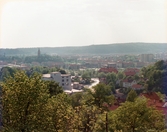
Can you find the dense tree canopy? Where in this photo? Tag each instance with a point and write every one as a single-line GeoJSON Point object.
{"type": "Point", "coordinates": [24, 100]}
{"type": "Point", "coordinates": [132, 95]}
{"type": "Point", "coordinates": [137, 117]}
{"type": "Point", "coordinates": [31, 104]}
{"type": "Point", "coordinates": [101, 94]}
{"type": "Point", "coordinates": [155, 76]}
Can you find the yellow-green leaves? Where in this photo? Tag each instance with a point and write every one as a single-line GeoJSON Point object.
{"type": "Point", "coordinates": [24, 100]}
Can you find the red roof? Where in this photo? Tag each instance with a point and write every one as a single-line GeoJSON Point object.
{"type": "Point", "coordinates": [132, 69]}
{"type": "Point", "coordinates": [151, 96]}
{"type": "Point", "coordinates": [114, 107]}
{"type": "Point", "coordinates": [155, 101]}
{"type": "Point", "coordinates": [106, 70]}
{"type": "Point", "coordinates": [117, 104]}
{"type": "Point", "coordinates": [130, 73]}
{"type": "Point", "coordinates": [137, 86]}
{"type": "Point", "coordinates": [126, 80]}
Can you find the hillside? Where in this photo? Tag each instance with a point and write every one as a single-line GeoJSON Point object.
{"type": "Point", "coordinates": [118, 48]}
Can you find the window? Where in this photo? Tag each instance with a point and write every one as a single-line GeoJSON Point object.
{"type": "Point", "coordinates": [62, 84]}
{"type": "Point", "coordinates": [67, 80]}
{"type": "Point", "coordinates": [63, 80]}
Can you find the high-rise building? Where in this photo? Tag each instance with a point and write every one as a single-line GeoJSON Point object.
{"type": "Point", "coordinates": [146, 57]}
{"type": "Point", "coordinates": [64, 80]}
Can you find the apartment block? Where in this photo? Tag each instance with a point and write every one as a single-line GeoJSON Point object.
{"type": "Point", "coordinates": [64, 80]}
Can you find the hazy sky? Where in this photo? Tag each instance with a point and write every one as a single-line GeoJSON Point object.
{"type": "Point", "coordinates": [82, 22]}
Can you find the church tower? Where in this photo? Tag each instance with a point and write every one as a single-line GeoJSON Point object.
{"type": "Point", "coordinates": [39, 52]}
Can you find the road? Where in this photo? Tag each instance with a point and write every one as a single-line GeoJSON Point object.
{"type": "Point", "coordinates": [96, 81]}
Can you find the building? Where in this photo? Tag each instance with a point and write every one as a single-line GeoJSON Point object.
{"type": "Point", "coordinates": [76, 85]}
{"type": "Point", "coordinates": [140, 64]}
{"type": "Point", "coordinates": [108, 70]}
{"type": "Point", "coordinates": [39, 53]}
{"type": "Point", "coordinates": [64, 80]}
{"type": "Point", "coordinates": [146, 57]}
{"type": "Point", "coordinates": [119, 64]}
{"type": "Point", "coordinates": [154, 100]}
{"type": "Point", "coordinates": [128, 64]}
{"type": "Point", "coordinates": [131, 71]}
{"type": "Point", "coordinates": [128, 83]}
{"type": "Point", "coordinates": [137, 87]}
{"type": "Point", "coordinates": [111, 65]}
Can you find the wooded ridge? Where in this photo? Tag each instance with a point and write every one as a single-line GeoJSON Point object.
{"type": "Point", "coordinates": [117, 48]}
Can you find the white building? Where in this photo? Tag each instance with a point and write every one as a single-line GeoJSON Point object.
{"type": "Point", "coordinates": [111, 65]}
{"type": "Point", "coordinates": [128, 84]}
{"type": "Point", "coordinates": [64, 80]}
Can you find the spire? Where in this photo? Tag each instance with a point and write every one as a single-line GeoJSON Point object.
{"type": "Point", "coordinates": [39, 52]}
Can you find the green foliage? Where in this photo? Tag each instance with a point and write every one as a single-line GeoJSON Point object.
{"type": "Point", "coordinates": [88, 73]}
{"type": "Point", "coordinates": [132, 95]}
{"type": "Point", "coordinates": [137, 117]}
{"type": "Point", "coordinates": [60, 115]}
{"type": "Point", "coordinates": [101, 94]}
{"type": "Point", "coordinates": [44, 70]}
{"type": "Point", "coordinates": [111, 78]}
{"type": "Point", "coordinates": [7, 72]}
{"type": "Point", "coordinates": [101, 75]}
{"type": "Point", "coordinates": [54, 88]}
{"type": "Point", "coordinates": [112, 86]}
{"type": "Point", "coordinates": [86, 117]}
{"type": "Point", "coordinates": [86, 77]}
{"type": "Point", "coordinates": [42, 58]}
{"type": "Point", "coordinates": [24, 100]}
{"type": "Point", "coordinates": [76, 99]}
{"type": "Point", "coordinates": [32, 105]}
{"type": "Point", "coordinates": [62, 71]}
{"type": "Point", "coordinates": [120, 75]}
{"type": "Point", "coordinates": [136, 77]}
{"type": "Point", "coordinates": [125, 90]}
{"type": "Point", "coordinates": [154, 77]}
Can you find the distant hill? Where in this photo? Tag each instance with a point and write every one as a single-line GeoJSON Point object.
{"type": "Point", "coordinates": [117, 48]}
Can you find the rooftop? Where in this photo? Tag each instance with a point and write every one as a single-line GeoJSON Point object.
{"type": "Point", "coordinates": [46, 75]}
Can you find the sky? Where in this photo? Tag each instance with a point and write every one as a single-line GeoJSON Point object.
{"type": "Point", "coordinates": [59, 23]}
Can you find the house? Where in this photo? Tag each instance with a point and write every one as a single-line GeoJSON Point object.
{"type": "Point", "coordinates": [155, 101]}
{"type": "Point", "coordinates": [64, 80]}
{"type": "Point", "coordinates": [137, 87]}
{"type": "Point", "coordinates": [131, 71]}
{"type": "Point", "coordinates": [111, 65]}
{"type": "Point", "coordinates": [119, 64]}
{"type": "Point", "coordinates": [140, 64]}
{"type": "Point", "coordinates": [107, 70]}
{"type": "Point", "coordinates": [76, 85]}
{"type": "Point", "coordinates": [128, 83]}
{"type": "Point", "coordinates": [127, 64]}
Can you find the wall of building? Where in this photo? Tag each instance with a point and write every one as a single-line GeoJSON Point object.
{"type": "Point", "coordinates": [64, 80]}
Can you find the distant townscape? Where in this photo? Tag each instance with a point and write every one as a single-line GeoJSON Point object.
{"type": "Point", "coordinates": [118, 87]}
